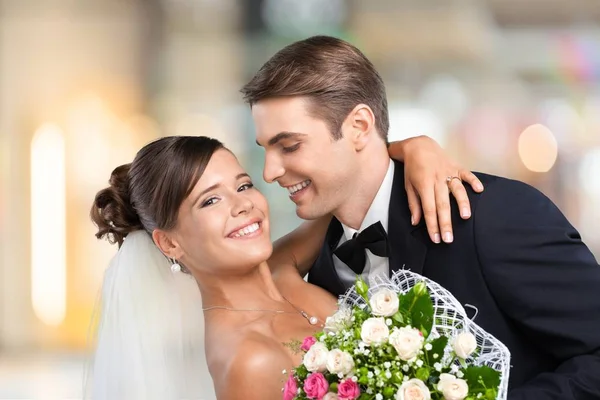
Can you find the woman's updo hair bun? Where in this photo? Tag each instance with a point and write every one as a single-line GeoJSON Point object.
{"type": "Point", "coordinates": [112, 211]}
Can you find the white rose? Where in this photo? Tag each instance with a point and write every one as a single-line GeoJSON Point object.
{"type": "Point", "coordinates": [374, 331]}
{"type": "Point", "coordinates": [338, 321]}
{"type": "Point", "coordinates": [452, 388]}
{"type": "Point", "coordinates": [413, 389]}
{"type": "Point", "coordinates": [339, 362]}
{"type": "Point", "coordinates": [444, 378]}
{"type": "Point", "coordinates": [315, 358]}
{"type": "Point", "coordinates": [464, 344]}
{"type": "Point", "coordinates": [331, 396]}
{"type": "Point", "coordinates": [384, 303]}
{"type": "Point", "coordinates": [407, 342]}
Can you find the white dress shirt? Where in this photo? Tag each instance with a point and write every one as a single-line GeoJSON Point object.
{"type": "Point", "coordinates": [378, 211]}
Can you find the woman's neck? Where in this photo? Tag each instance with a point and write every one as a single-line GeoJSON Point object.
{"type": "Point", "coordinates": [254, 290]}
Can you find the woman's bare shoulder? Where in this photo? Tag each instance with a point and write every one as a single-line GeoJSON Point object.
{"type": "Point", "coordinates": [250, 368]}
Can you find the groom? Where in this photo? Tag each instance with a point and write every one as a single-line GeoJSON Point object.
{"type": "Point", "coordinates": [321, 114]}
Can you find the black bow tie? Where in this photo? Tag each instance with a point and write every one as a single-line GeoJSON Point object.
{"type": "Point", "coordinates": [352, 252]}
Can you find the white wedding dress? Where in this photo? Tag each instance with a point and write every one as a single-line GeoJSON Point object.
{"type": "Point", "coordinates": [150, 336]}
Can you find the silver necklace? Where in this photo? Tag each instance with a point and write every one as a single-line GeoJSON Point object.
{"type": "Point", "coordinates": [313, 320]}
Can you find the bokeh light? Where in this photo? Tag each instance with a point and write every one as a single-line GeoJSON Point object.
{"type": "Point", "coordinates": [538, 148]}
{"type": "Point", "coordinates": [589, 172]}
{"type": "Point", "coordinates": [48, 225]}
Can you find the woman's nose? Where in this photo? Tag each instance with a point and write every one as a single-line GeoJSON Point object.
{"type": "Point", "coordinates": [242, 205]}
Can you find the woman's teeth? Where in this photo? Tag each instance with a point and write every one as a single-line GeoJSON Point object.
{"type": "Point", "coordinates": [296, 188]}
{"type": "Point", "coordinates": [247, 230]}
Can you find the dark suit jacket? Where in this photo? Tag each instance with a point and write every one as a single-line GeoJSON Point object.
{"type": "Point", "coordinates": [521, 263]}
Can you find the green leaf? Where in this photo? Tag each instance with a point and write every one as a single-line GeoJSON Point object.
{"type": "Point", "coordinates": [398, 318]}
{"type": "Point", "coordinates": [437, 347]}
{"type": "Point", "coordinates": [419, 307]}
{"type": "Point", "coordinates": [491, 394]}
{"type": "Point", "coordinates": [389, 392]}
{"type": "Point", "coordinates": [301, 372]}
{"type": "Point", "coordinates": [423, 374]}
{"type": "Point", "coordinates": [420, 289]}
{"type": "Point", "coordinates": [406, 299]}
{"type": "Point", "coordinates": [475, 376]}
{"type": "Point", "coordinates": [397, 377]}
{"type": "Point", "coordinates": [361, 315]}
{"type": "Point", "coordinates": [422, 315]}
{"type": "Point", "coordinates": [362, 288]}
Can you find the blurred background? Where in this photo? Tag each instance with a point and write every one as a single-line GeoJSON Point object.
{"type": "Point", "coordinates": [510, 87]}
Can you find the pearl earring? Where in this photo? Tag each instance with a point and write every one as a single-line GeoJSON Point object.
{"type": "Point", "coordinates": [175, 267]}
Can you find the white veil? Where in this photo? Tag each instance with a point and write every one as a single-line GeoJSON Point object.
{"type": "Point", "coordinates": [150, 330]}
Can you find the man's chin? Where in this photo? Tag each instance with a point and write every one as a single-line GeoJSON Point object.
{"type": "Point", "coordinates": [308, 213]}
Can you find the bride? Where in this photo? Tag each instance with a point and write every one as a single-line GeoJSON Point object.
{"type": "Point", "coordinates": [186, 216]}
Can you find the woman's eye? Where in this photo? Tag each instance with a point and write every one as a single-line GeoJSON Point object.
{"type": "Point", "coordinates": [291, 149]}
{"type": "Point", "coordinates": [246, 186]}
{"type": "Point", "coordinates": [209, 202]}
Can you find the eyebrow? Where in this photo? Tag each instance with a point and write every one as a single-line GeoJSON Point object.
{"type": "Point", "coordinates": [282, 136]}
{"type": "Point", "coordinates": [215, 186]}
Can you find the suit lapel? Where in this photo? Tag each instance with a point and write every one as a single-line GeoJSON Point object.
{"type": "Point", "coordinates": [406, 244]}
{"type": "Point", "coordinates": [325, 275]}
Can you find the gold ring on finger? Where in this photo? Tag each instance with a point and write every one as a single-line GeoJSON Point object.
{"type": "Point", "coordinates": [449, 179]}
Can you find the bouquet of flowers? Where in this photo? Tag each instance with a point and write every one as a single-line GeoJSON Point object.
{"type": "Point", "coordinates": [405, 338]}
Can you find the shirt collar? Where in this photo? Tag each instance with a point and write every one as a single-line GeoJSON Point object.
{"type": "Point", "coordinates": [379, 209]}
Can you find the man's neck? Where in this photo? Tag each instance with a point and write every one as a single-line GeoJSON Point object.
{"type": "Point", "coordinates": [353, 211]}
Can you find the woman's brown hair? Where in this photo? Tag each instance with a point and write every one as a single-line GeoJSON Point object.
{"type": "Point", "coordinates": [147, 193]}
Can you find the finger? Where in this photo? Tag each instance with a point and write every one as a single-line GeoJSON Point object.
{"type": "Point", "coordinates": [430, 213]}
{"type": "Point", "coordinates": [442, 203]}
{"type": "Point", "coordinates": [471, 179]}
{"type": "Point", "coordinates": [413, 204]}
{"type": "Point", "coordinates": [459, 192]}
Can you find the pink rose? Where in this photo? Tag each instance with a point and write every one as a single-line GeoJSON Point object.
{"type": "Point", "coordinates": [348, 390]}
{"type": "Point", "coordinates": [316, 386]}
{"type": "Point", "coordinates": [290, 389]}
{"type": "Point", "coordinates": [308, 342]}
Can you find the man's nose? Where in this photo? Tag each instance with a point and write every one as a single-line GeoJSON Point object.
{"type": "Point", "coordinates": [273, 169]}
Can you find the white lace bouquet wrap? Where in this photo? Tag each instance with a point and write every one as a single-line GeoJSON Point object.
{"type": "Point", "coordinates": [400, 338]}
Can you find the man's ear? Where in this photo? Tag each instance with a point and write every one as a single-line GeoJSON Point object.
{"type": "Point", "coordinates": [167, 244]}
{"type": "Point", "coordinates": [361, 125]}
